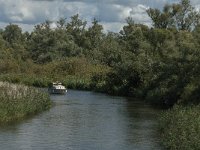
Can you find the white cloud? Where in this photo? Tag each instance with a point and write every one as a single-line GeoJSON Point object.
{"type": "Point", "coordinates": [111, 13]}
{"type": "Point", "coordinates": [26, 27]}
{"type": "Point", "coordinates": [112, 26]}
{"type": "Point", "coordinates": [139, 14]}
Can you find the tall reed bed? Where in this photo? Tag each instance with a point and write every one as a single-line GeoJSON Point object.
{"type": "Point", "coordinates": [19, 101]}
{"type": "Point", "coordinates": [180, 128]}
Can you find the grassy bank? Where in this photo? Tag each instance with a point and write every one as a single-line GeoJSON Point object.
{"type": "Point", "coordinates": [180, 128]}
{"type": "Point", "coordinates": [19, 101]}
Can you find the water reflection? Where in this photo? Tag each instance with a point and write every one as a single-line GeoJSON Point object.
{"type": "Point", "coordinates": [86, 121]}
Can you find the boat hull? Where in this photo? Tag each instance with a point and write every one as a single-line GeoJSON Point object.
{"type": "Point", "coordinates": [57, 91]}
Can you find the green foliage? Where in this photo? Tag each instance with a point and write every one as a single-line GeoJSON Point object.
{"type": "Point", "coordinates": [93, 35]}
{"type": "Point", "coordinates": [14, 42]}
{"type": "Point", "coordinates": [13, 34]}
{"type": "Point", "coordinates": [175, 72]}
{"type": "Point", "coordinates": [180, 128]}
{"type": "Point", "coordinates": [181, 16]}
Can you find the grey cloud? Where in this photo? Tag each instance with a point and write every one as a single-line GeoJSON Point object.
{"type": "Point", "coordinates": [152, 3]}
{"type": "Point", "coordinates": [43, 0]}
{"type": "Point", "coordinates": [111, 13]}
{"type": "Point", "coordinates": [21, 11]}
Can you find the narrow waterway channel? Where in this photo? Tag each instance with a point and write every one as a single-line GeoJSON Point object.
{"type": "Point", "coordinates": [83, 120]}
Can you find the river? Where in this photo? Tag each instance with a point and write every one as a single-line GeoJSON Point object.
{"type": "Point", "coordinates": [83, 120]}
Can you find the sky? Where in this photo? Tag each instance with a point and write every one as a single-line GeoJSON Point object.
{"type": "Point", "coordinates": [110, 13]}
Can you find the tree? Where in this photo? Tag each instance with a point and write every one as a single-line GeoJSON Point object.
{"type": "Point", "coordinates": [76, 28]}
{"type": "Point", "coordinates": [94, 35]}
{"type": "Point", "coordinates": [110, 50]}
{"type": "Point", "coordinates": [133, 36]}
{"type": "Point", "coordinates": [42, 43]}
{"type": "Point", "coordinates": [16, 41]}
{"type": "Point", "coordinates": [13, 34]}
{"type": "Point", "coordinates": [181, 16]}
{"type": "Point", "coordinates": [61, 23]}
{"type": "Point", "coordinates": [160, 19]}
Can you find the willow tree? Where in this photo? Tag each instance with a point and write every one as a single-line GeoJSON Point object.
{"type": "Point", "coordinates": [181, 16]}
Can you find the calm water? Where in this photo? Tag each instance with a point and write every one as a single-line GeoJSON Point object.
{"type": "Point", "coordinates": [86, 121]}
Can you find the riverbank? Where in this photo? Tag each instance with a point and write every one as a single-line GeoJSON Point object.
{"type": "Point", "coordinates": [19, 101]}
{"type": "Point", "coordinates": [180, 128]}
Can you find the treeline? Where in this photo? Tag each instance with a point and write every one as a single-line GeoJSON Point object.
{"type": "Point", "coordinates": [160, 64]}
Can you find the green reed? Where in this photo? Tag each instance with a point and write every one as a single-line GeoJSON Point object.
{"type": "Point", "coordinates": [180, 128]}
{"type": "Point", "coordinates": [19, 101]}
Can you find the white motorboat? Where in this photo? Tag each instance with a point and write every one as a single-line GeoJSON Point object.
{"type": "Point", "coordinates": [57, 88]}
